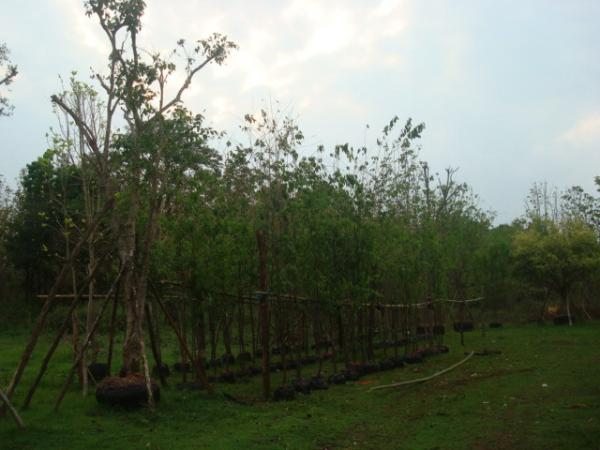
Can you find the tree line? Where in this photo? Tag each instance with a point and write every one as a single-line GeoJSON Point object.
{"type": "Point", "coordinates": [339, 225]}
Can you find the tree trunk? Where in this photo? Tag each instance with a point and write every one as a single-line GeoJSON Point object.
{"type": "Point", "coordinates": [567, 301]}
{"type": "Point", "coordinates": [132, 348]}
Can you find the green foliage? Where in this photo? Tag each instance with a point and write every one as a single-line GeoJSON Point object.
{"type": "Point", "coordinates": [495, 268]}
{"type": "Point", "coordinates": [578, 205]}
{"type": "Point", "coordinates": [557, 256]}
{"type": "Point", "coordinates": [8, 275]}
{"type": "Point", "coordinates": [379, 228]}
{"type": "Point", "coordinates": [48, 209]}
{"type": "Point", "coordinates": [8, 72]}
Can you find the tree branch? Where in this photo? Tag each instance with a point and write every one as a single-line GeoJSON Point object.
{"type": "Point", "coordinates": [89, 137]}
{"type": "Point", "coordinates": [184, 86]}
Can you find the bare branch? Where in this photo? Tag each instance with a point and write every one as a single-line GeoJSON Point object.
{"type": "Point", "coordinates": [83, 127]}
{"type": "Point", "coordinates": [184, 86]}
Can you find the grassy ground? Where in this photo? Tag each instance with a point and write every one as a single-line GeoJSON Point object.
{"type": "Point", "coordinates": [542, 392]}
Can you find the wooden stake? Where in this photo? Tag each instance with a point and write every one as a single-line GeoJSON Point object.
{"type": "Point", "coordinates": [58, 337]}
{"type": "Point", "coordinates": [111, 339]}
{"type": "Point", "coordinates": [39, 325]}
{"type": "Point", "coordinates": [199, 369]}
{"type": "Point", "coordinates": [87, 341]}
{"type": "Point", "coordinates": [12, 409]}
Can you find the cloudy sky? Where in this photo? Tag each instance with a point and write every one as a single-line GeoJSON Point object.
{"type": "Point", "coordinates": [509, 90]}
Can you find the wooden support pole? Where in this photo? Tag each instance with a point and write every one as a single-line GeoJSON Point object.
{"type": "Point", "coordinates": [39, 325]}
{"type": "Point", "coordinates": [88, 339]}
{"type": "Point", "coordinates": [252, 330]}
{"type": "Point", "coordinates": [370, 334]}
{"type": "Point", "coordinates": [264, 340]}
{"type": "Point", "coordinates": [461, 317]}
{"type": "Point", "coordinates": [200, 332]}
{"type": "Point", "coordinates": [59, 335]}
{"type": "Point", "coordinates": [111, 339]}
{"type": "Point", "coordinates": [12, 409]}
{"type": "Point", "coordinates": [199, 369]}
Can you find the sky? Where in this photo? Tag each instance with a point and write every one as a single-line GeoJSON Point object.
{"type": "Point", "coordinates": [509, 91]}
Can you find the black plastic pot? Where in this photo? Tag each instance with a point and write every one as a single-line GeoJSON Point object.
{"type": "Point", "coordinates": [398, 361]}
{"type": "Point", "coordinates": [164, 370]}
{"type": "Point", "coordinates": [227, 358]}
{"type": "Point", "coordinates": [318, 384]}
{"type": "Point", "coordinates": [562, 320]}
{"type": "Point", "coordinates": [337, 378]}
{"type": "Point", "coordinates": [387, 364]}
{"type": "Point", "coordinates": [99, 371]}
{"type": "Point", "coordinates": [284, 393]}
{"type": "Point", "coordinates": [226, 377]}
{"type": "Point", "coordinates": [351, 374]}
{"type": "Point", "coordinates": [463, 326]}
{"type": "Point", "coordinates": [301, 386]}
{"type": "Point", "coordinates": [127, 392]}
{"type": "Point", "coordinates": [413, 358]}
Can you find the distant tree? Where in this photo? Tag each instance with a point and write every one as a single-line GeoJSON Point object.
{"type": "Point", "coordinates": [47, 189]}
{"type": "Point", "coordinates": [8, 72]}
{"type": "Point", "coordinates": [576, 204]}
{"type": "Point", "coordinates": [7, 211]}
{"type": "Point", "coordinates": [542, 203]}
{"type": "Point", "coordinates": [495, 267]}
{"type": "Point", "coordinates": [557, 257]}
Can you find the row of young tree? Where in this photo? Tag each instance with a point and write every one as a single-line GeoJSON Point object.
{"type": "Point", "coordinates": [341, 225]}
{"type": "Point", "coordinates": [155, 200]}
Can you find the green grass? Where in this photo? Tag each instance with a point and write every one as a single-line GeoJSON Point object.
{"type": "Point", "coordinates": [542, 392]}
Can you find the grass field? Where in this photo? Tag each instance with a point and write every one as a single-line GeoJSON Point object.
{"type": "Point", "coordinates": [542, 392]}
